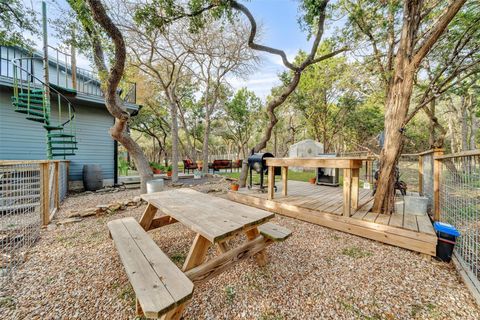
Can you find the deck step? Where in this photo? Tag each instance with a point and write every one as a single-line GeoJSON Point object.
{"type": "Point", "coordinates": [32, 113]}
{"type": "Point", "coordinates": [64, 148]}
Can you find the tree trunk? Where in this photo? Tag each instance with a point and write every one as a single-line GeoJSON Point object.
{"type": "Point", "coordinates": [206, 135]}
{"type": "Point", "coordinates": [395, 114]}
{"type": "Point", "coordinates": [431, 126]}
{"type": "Point", "coordinates": [174, 115]}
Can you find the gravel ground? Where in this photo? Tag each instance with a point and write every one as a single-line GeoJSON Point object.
{"type": "Point", "coordinates": [74, 272]}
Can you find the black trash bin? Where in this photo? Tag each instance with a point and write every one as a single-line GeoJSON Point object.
{"type": "Point", "coordinates": [447, 237]}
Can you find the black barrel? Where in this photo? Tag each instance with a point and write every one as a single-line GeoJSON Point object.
{"type": "Point", "coordinates": [92, 177]}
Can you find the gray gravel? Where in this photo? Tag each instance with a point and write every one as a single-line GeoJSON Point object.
{"type": "Point", "coordinates": [74, 273]}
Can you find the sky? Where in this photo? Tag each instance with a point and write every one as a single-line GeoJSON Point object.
{"type": "Point", "coordinates": [279, 28]}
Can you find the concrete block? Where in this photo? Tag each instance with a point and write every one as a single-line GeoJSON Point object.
{"type": "Point", "coordinates": [416, 205]}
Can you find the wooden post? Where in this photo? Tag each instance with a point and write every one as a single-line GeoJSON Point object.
{"type": "Point", "coordinates": [44, 193]}
{"type": "Point", "coordinates": [437, 167]}
{"type": "Point", "coordinates": [271, 182]}
{"type": "Point", "coordinates": [355, 187]}
{"type": "Point", "coordinates": [347, 191]}
{"type": "Point", "coordinates": [284, 181]}
{"type": "Point", "coordinates": [420, 174]}
{"type": "Point", "coordinates": [56, 185]}
{"type": "Point", "coordinates": [261, 257]}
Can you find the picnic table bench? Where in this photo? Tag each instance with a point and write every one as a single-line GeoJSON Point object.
{"type": "Point", "coordinates": [163, 290]}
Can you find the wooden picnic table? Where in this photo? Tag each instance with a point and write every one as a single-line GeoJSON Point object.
{"type": "Point", "coordinates": [214, 220]}
{"type": "Point", "coordinates": [351, 173]}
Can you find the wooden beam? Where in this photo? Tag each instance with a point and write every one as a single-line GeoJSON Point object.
{"type": "Point", "coordinates": [271, 182]}
{"type": "Point", "coordinates": [355, 187]}
{"type": "Point", "coordinates": [197, 253]}
{"type": "Point", "coordinates": [261, 256]}
{"type": "Point", "coordinates": [338, 162]}
{"type": "Point", "coordinates": [161, 221]}
{"type": "Point", "coordinates": [347, 192]}
{"type": "Point", "coordinates": [147, 216]}
{"type": "Point", "coordinates": [420, 175]}
{"type": "Point", "coordinates": [223, 262]}
{"type": "Point", "coordinates": [284, 181]}
{"type": "Point", "coordinates": [44, 193]}
{"type": "Point", "coordinates": [437, 167]}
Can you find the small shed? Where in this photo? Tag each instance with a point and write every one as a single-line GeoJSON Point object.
{"type": "Point", "coordinates": [304, 149]}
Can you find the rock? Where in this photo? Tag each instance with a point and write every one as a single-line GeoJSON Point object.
{"type": "Point", "coordinates": [68, 221]}
{"type": "Point", "coordinates": [73, 214]}
{"type": "Point", "coordinates": [88, 212]}
{"type": "Point", "coordinates": [51, 227]}
{"type": "Point", "coordinates": [102, 208]}
{"type": "Point", "coordinates": [114, 206]}
{"type": "Point", "coordinates": [177, 184]}
{"type": "Point", "coordinates": [137, 199]}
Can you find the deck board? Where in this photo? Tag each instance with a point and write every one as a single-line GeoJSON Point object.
{"type": "Point", "coordinates": [323, 205]}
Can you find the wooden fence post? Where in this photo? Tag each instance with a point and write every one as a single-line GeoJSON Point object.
{"type": "Point", "coordinates": [44, 192]}
{"type": "Point", "coordinates": [437, 167]}
{"type": "Point", "coordinates": [420, 174]}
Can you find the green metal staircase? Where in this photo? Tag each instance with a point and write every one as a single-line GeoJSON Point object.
{"type": "Point", "coordinates": [33, 97]}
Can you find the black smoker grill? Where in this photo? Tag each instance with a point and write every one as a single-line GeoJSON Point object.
{"type": "Point", "coordinates": [257, 163]}
{"type": "Point", "coordinates": [328, 176]}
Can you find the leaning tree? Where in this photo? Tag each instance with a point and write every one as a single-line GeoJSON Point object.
{"type": "Point", "coordinates": [101, 33]}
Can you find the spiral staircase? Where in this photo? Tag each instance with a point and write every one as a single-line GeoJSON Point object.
{"type": "Point", "coordinates": [36, 100]}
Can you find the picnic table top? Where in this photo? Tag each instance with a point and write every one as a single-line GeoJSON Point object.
{"type": "Point", "coordinates": [213, 217]}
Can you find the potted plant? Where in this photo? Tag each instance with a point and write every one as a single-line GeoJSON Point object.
{"type": "Point", "coordinates": [312, 180]}
{"type": "Point", "coordinates": [197, 174]}
{"type": "Point", "coordinates": [234, 186]}
{"type": "Point", "coordinates": [169, 171]}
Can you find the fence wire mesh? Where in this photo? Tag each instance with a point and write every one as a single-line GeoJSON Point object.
{"type": "Point", "coordinates": [460, 206]}
{"type": "Point", "coordinates": [427, 181]}
{"type": "Point", "coordinates": [19, 214]}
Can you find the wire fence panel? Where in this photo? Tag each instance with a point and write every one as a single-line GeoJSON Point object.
{"type": "Point", "coordinates": [460, 206]}
{"type": "Point", "coordinates": [427, 180]}
{"type": "Point", "coordinates": [63, 180]}
{"type": "Point", "coordinates": [20, 220]}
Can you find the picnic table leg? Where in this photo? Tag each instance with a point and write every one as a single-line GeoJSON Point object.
{"type": "Point", "coordinates": [355, 187]}
{"type": "Point", "coordinates": [223, 247]}
{"type": "Point", "coordinates": [261, 257]}
{"type": "Point", "coordinates": [147, 216]}
{"type": "Point", "coordinates": [196, 256]}
{"type": "Point", "coordinates": [347, 192]}
{"type": "Point", "coordinates": [271, 183]}
{"type": "Point", "coordinates": [284, 181]}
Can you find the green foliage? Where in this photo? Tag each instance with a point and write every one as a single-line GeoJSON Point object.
{"type": "Point", "coordinates": [123, 166]}
{"type": "Point", "coordinates": [16, 18]}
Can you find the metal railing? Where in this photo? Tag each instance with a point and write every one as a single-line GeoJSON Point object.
{"type": "Point", "coordinates": [30, 194]}
{"type": "Point", "coordinates": [61, 73]}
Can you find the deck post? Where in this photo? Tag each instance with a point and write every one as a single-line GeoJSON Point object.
{"type": "Point", "coordinates": [420, 174]}
{"type": "Point", "coordinates": [284, 181]}
{"type": "Point", "coordinates": [355, 187]}
{"type": "Point", "coordinates": [437, 168]}
{"type": "Point", "coordinates": [347, 192]}
{"type": "Point", "coordinates": [271, 182]}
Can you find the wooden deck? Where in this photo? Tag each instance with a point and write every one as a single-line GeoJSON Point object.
{"type": "Point", "coordinates": [323, 205]}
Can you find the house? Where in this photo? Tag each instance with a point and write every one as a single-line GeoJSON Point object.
{"type": "Point", "coordinates": [70, 122]}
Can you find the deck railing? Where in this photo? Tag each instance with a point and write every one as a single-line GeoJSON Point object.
{"type": "Point", "coordinates": [30, 194]}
